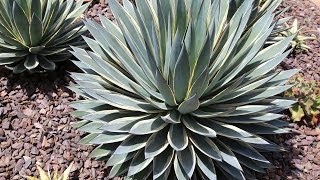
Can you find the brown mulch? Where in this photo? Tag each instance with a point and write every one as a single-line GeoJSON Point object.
{"type": "Point", "coordinates": [34, 127]}
{"type": "Point", "coordinates": [35, 120]}
{"type": "Point", "coordinates": [308, 15]}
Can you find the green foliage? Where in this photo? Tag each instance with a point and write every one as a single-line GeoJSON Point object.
{"type": "Point", "coordinates": [183, 95]}
{"type": "Point", "coordinates": [307, 94]}
{"type": "Point", "coordinates": [35, 34]}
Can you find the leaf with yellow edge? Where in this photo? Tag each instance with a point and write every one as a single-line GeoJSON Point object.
{"type": "Point", "coordinates": [297, 113]}
{"type": "Point", "coordinates": [66, 173]}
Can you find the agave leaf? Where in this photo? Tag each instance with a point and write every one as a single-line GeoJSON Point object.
{"type": "Point", "coordinates": [21, 22]}
{"type": "Point", "coordinates": [35, 30]}
{"type": "Point", "coordinates": [178, 169]}
{"type": "Point", "coordinates": [177, 137]}
{"type": "Point", "coordinates": [66, 172]}
{"type": "Point", "coordinates": [124, 124]}
{"type": "Point", "coordinates": [103, 150]}
{"type": "Point", "coordinates": [264, 128]}
{"type": "Point", "coordinates": [19, 68]}
{"type": "Point", "coordinates": [162, 162]}
{"type": "Point", "coordinates": [42, 173]}
{"type": "Point", "coordinates": [118, 159]}
{"type": "Point", "coordinates": [189, 105]}
{"type": "Point", "coordinates": [181, 75]}
{"type": "Point", "coordinates": [107, 138]}
{"type": "Point", "coordinates": [228, 156]}
{"type": "Point", "coordinates": [194, 126]}
{"type": "Point", "coordinates": [165, 89]}
{"type": "Point", "coordinates": [139, 163]}
{"type": "Point", "coordinates": [230, 171]}
{"type": "Point", "coordinates": [92, 127]}
{"type": "Point", "coordinates": [119, 169]}
{"type": "Point", "coordinates": [206, 166]}
{"type": "Point", "coordinates": [245, 150]}
{"type": "Point", "coordinates": [31, 62]}
{"type": "Point", "coordinates": [226, 130]}
{"type": "Point", "coordinates": [172, 117]}
{"type": "Point", "coordinates": [206, 146]}
{"type": "Point", "coordinates": [156, 144]}
{"type": "Point", "coordinates": [187, 159]}
{"type": "Point", "coordinates": [148, 126]}
{"type": "Point", "coordinates": [131, 144]}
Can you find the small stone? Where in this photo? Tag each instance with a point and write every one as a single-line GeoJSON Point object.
{"type": "Point", "coordinates": [64, 95]}
{"type": "Point", "coordinates": [28, 112]}
{"type": "Point", "coordinates": [310, 138]}
{"type": "Point", "coordinates": [17, 145]}
{"type": "Point", "coordinates": [305, 142]}
{"type": "Point", "coordinates": [27, 161]}
{"type": "Point", "coordinates": [311, 133]}
{"type": "Point", "coordinates": [34, 151]}
{"type": "Point", "coordinates": [42, 111]}
{"type": "Point", "coordinates": [5, 124]}
{"type": "Point", "coordinates": [87, 163]}
{"type": "Point", "coordinates": [38, 125]}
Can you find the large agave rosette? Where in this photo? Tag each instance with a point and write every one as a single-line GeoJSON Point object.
{"type": "Point", "coordinates": [182, 89]}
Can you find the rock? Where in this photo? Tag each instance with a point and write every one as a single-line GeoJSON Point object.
{"type": "Point", "coordinates": [310, 138]}
{"type": "Point", "coordinates": [311, 133]}
{"type": "Point", "coordinates": [5, 124]}
{"type": "Point", "coordinates": [305, 142]}
{"type": "Point", "coordinates": [28, 112]}
{"type": "Point", "coordinates": [27, 161]}
{"type": "Point", "coordinates": [34, 151]}
{"type": "Point", "coordinates": [17, 145]}
{"type": "Point", "coordinates": [38, 125]}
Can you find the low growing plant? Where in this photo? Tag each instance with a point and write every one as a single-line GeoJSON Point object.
{"type": "Point", "coordinates": [307, 94]}
{"type": "Point", "coordinates": [182, 89]}
{"type": "Point", "coordinates": [35, 34]}
{"type": "Point", "coordinates": [51, 176]}
{"type": "Point", "coordinates": [285, 30]}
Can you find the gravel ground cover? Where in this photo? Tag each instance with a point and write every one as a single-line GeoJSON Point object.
{"type": "Point", "coordinates": [35, 120]}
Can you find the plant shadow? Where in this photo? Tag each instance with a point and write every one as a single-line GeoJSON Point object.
{"type": "Point", "coordinates": [45, 83]}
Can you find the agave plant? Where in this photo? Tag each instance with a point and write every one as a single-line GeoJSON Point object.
{"type": "Point", "coordinates": [299, 41]}
{"type": "Point", "coordinates": [35, 34]}
{"type": "Point", "coordinates": [48, 176]}
{"type": "Point", "coordinates": [182, 89]}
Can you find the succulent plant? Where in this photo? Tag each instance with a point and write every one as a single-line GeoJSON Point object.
{"type": "Point", "coordinates": [54, 176]}
{"type": "Point", "coordinates": [285, 30]}
{"type": "Point", "coordinates": [307, 95]}
{"type": "Point", "coordinates": [35, 34]}
{"type": "Point", "coordinates": [182, 89]}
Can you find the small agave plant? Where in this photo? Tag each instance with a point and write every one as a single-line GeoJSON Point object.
{"type": "Point", "coordinates": [182, 89]}
{"type": "Point", "coordinates": [35, 34]}
{"type": "Point", "coordinates": [43, 175]}
{"type": "Point", "coordinates": [284, 30]}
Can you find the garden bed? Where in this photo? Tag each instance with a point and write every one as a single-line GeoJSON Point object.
{"type": "Point", "coordinates": [35, 120]}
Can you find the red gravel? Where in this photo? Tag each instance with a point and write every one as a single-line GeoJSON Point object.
{"type": "Point", "coordinates": [308, 15]}
{"type": "Point", "coordinates": [34, 127]}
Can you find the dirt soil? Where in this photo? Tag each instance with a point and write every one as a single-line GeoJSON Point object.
{"type": "Point", "coordinates": [35, 120]}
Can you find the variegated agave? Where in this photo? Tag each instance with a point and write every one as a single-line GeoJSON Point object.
{"type": "Point", "coordinates": [35, 34]}
{"type": "Point", "coordinates": [182, 89]}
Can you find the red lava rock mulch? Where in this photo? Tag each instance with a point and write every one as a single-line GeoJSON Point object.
{"type": "Point", "coordinates": [34, 127]}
